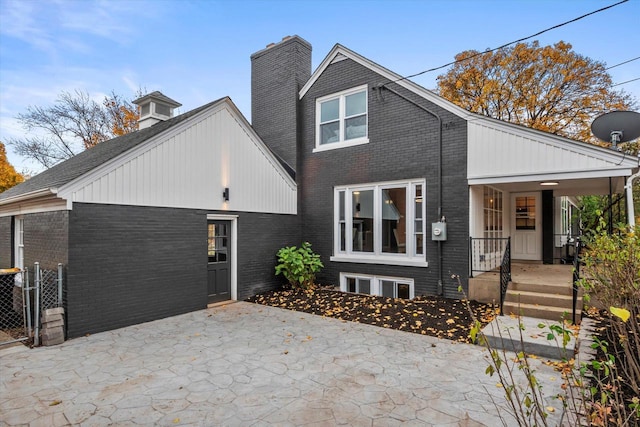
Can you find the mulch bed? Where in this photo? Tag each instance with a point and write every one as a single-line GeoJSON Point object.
{"type": "Point", "coordinates": [426, 315]}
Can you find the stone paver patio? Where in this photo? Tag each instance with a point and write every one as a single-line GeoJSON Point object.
{"type": "Point", "coordinates": [245, 364]}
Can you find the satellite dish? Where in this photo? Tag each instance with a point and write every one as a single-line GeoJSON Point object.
{"type": "Point", "coordinates": [616, 127]}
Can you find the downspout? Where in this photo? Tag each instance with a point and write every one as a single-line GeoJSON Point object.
{"type": "Point", "coordinates": [441, 217]}
{"type": "Point", "coordinates": [630, 209]}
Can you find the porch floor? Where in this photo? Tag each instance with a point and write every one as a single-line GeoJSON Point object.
{"type": "Point", "coordinates": [544, 274]}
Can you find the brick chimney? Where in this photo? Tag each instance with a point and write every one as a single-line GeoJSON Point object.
{"type": "Point", "coordinates": [277, 74]}
{"type": "Point", "coordinates": [155, 107]}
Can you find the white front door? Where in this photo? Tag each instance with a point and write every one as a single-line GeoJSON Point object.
{"type": "Point", "coordinates": [526, 227]}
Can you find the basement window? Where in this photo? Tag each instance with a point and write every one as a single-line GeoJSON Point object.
{"type": "Point", "coordinates": [391, 287]}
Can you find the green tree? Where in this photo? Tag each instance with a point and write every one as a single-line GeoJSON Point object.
{"type": "Point", "coordinates": [8, 175]}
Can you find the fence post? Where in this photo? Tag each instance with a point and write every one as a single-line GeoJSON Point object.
{"type": "Point", "coordinates": [27, 298]}
{"type": "Point", "coordinates": [36, 305]}
{"type": "Point", "coordinates": [59, 284]}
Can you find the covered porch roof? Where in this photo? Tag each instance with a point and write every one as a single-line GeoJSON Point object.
{"type": "Point", "coordinates": [515, 158]}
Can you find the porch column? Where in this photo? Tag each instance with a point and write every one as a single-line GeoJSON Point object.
{"type": "Point", "coordinates": [547, 227]}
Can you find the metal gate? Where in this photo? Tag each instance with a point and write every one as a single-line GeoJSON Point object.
{"type": "Point", "coordinates": [23, 297]}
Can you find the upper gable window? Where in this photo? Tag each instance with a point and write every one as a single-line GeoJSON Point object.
{"type": "Point", "coordinates": [341, 119]}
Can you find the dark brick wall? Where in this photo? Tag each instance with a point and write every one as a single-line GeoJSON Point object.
{"type": "Point", "coordinates": [5, 242]}
{"type": "Point", "coordinates": [277, 74]}
{"type": "Point", "coordinates": [129, 265]}
{"type": "Point", "coordinates": [403, 145]}
{"type": "Point", "coordinates": [46, 239]}
{"type": "Point", "coordinates": [259, 238]}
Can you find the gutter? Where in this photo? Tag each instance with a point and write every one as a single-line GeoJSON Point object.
{"type": "Point", "coordinates": [30, 195]}
{"type": "Point", "coordinates": [630, 208]}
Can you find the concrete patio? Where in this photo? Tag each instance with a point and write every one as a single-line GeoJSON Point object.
{"type": "Point", "coordinates": [245, 364]}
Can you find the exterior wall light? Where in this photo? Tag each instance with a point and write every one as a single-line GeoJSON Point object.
{"type": "Point", "coordinates": [549, 183]}
{"type": "Point", "coordinates": [225, 194]}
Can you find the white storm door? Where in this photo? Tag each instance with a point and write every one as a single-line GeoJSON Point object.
{"type": "Point", "coordinates": [526, 227]}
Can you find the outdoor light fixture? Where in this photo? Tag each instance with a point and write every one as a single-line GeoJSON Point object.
{"type": "Point", "coordinates": [549, 183]}
{"type": "Point", "coordinates": [225, 194]}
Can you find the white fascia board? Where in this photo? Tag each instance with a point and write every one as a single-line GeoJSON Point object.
{"type": "Point", "coordinates": [33, 206]}
{"type": "Point", "coordinates": [599, 173]}
{"type": "Point", "coordinates": [67, 190]}
{"type": "Point", "coordinates": [31, 195]}
{"type": "Point", "coordinates": [395, 78]}
{"type": "Point", "coordinates": [606, 154]}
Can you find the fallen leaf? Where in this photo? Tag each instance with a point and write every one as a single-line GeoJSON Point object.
{"type": "Point", "coordinates": [55, 402]}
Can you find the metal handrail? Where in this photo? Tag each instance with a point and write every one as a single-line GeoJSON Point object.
{"type": "Point", "coordinates": [505, 273]}
{"type": "Point", "coordinates": [576, 277]}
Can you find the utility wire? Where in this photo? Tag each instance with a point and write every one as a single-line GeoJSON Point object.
{"type": "Point", "coordinates": [628, 81]}
{"type": "Point", "coordinates": [510, 43]}
{"type": "Point", "coordinates": [622, 63]}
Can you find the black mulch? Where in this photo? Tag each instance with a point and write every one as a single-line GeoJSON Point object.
{"type": "Point", "coordinates": [426, 315]}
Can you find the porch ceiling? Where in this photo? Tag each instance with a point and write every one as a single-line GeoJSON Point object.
{"type": "Point", "coordinates": [565, 187]}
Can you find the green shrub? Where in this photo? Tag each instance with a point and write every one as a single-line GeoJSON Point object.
{"type": "Point", "coordinates": [299, 265]}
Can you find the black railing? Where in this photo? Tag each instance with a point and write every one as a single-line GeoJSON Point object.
{"type": "Point", "coordinates": [486, 253]}
{"type": "Point", "coordinates": [576, 277]}
{"type": "Point", "coordinates": [505, 273]}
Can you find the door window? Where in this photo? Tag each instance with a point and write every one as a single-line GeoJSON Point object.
{"type": "Point", "coordinates": [525, 213]}
{"type": "Point", "coordinates": [217, 242]}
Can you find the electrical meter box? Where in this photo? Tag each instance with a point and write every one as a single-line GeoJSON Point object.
{"type": "Point", "coordinates": [439, 231]}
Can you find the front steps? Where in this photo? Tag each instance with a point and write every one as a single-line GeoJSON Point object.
{"type": "Point", "coordinates": [550, 299]}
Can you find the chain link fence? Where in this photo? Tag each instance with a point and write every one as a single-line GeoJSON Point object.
{"type": "Point", "coordinates": [13, 306]}
{"type": "Point", "coordinates": [23, 297]}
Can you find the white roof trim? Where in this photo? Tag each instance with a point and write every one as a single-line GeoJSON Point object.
{"type": "Point", "coordinates": [340, 52]}
{"type": "Point", "coordinates": [67, 190]}
{"type": "Point", "coordinates": [31, 195]}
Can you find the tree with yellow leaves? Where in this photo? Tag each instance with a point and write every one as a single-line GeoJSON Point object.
{"type": "Point", "coordinates": [8, 175]}
{"type": "Point", "coordinates": [550, 88]}
{"type": "Point", "coordinates": [75, 122]}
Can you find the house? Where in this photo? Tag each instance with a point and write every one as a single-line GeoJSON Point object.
{"type": "Point", "coordinates": [396, 188]}
{"type": "Point", "coordinates": [186, 211]}
{"type": "Point", "coordinates": [399, 189]}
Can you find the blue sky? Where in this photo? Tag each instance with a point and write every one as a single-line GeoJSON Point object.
{"type": "Point", "coordinates": [198, 51]}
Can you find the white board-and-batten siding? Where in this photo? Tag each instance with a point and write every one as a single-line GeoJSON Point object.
{"type": "Point", "coordinates": [498, 150]}
{"type": "Point", "coordinates": [190, 165]}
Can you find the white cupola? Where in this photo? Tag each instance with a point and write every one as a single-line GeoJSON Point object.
{"type": "Point", "coordinates": [155, 107]}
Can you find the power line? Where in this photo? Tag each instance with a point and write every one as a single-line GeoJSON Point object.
{"type": "Point", "coordinates": [510, 43]}
{"type": "Point", "coordinates": [622, 63]}
{"type": "Point", "coordinates": [628, 81]}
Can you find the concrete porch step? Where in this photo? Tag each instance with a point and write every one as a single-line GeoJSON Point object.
{"type": "Point", "coordinates": [539, 311]}
{"type": "Point", "coordinates": [504, 333]}
{"type": "Point", "coordinates": [548, 299]}
{"type": "Point", "coordinates": [555, 289]}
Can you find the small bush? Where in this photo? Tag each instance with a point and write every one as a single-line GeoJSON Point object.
{"type": "Point", "coordinates": [299, 265]}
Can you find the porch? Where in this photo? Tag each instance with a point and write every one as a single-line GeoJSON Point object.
{"type": "Point", "coordinates": [543, 291]}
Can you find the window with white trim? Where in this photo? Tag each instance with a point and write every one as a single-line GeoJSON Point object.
{"type": "Point", "coordinates": [18, 251]}
{"type": "Point", "coordinates": [392, 287]}
{"type": "Point", "coordinates": [342, 119]}
{"type": "Point", "coordinates": [380, 221]}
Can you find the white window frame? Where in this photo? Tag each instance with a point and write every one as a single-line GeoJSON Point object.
{"type": "Point", "coordinates": [18, 254]}
{"type": "Point", "coordinates": [409, 258]}
{"type": "Point", "coordinates": [341, 143]}
{"type": "Point", "coordinates": [376, 283]}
